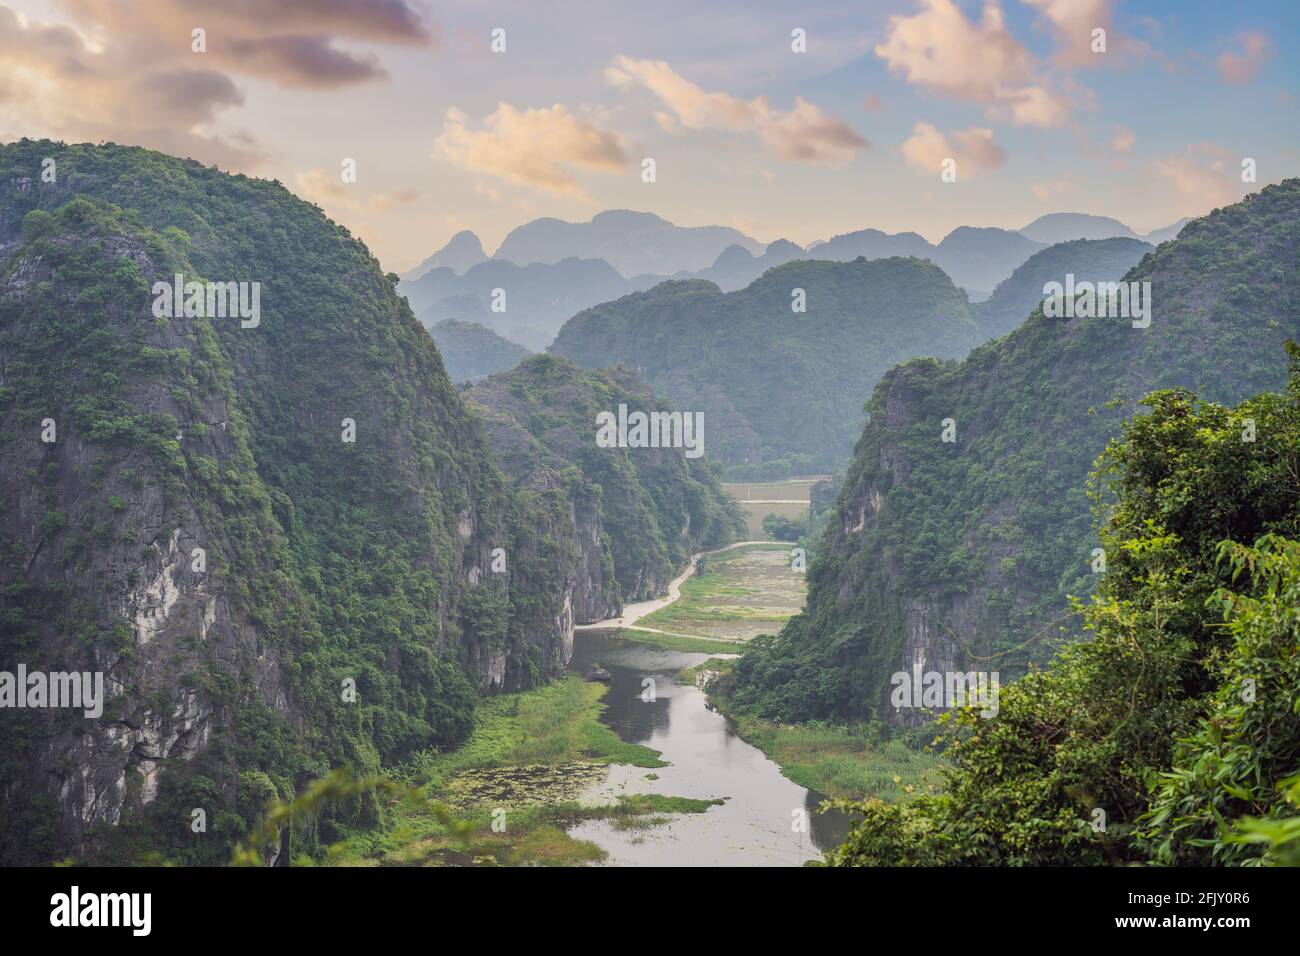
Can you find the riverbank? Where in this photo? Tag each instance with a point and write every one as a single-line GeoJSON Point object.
{"type": "Point", "coordinates": [748, 589]}
{"type": "Point", "coordinates": [644, 769]}
{"type": "Point", "coordinates": [513, 789]}
{"type": "Point", "coordinates": [841, 761]}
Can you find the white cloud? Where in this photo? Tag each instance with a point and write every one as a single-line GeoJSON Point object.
{"type": "Point", "coordinates": [532, 147]}
{"type": "Point", "coordinates": [974, 150]}
{"type": "Point", "coordinates": [941, 49]}
{"type": "Point", "coordinates": [1204, 176]}
{"type": "Point", "coordinates": [330, 192]}
{"type": "Point", "coordinates": [801, 135]}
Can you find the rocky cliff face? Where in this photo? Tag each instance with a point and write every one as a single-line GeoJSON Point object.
{"type": "Point", "coordinates": [963, 552]}
{"type": "Point", "coordinates": [277, 539]}
{"type": "Point", "coordinates": [630, 517]}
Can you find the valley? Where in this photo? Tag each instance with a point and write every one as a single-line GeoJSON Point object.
{"type": "Point", "coordinates": [641, 768]}
{"type": "Point", "coordinates": [369, 593]}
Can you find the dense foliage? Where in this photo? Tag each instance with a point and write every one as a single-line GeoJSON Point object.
{"type": "Point", "coordinates": [1173, 734]}
{"type": "Point", "coordinates": [326, 560]}
{"type": "Point", "coordinates": [967, 550]}
{"type": "Point", "coordinates": [781, 390]}
{"type": "Point", "coordinates": [1089, 260]}
{"type": "Point", "coordinates": [654, 507]}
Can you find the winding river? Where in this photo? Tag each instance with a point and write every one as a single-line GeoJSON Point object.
{"type": "Point", "coordinates": [766, 820]}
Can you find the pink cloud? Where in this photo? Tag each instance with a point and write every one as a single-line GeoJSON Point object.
{"type": "Point", "coordinates": [1256, 49]}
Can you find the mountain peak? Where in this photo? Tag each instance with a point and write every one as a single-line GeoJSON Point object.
{"type": "Point", "coordinates": [1057, 227]}
{"type": "Point", "coordinates": [462, 252]}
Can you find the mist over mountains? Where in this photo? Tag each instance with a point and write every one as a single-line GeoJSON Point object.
{"type": "Point", "coordinates": [549, 269]}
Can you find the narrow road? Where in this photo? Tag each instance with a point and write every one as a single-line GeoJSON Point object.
{"type": "Point", "coordinates": [634, 612]}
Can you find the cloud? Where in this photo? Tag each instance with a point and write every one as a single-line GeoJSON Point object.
{"type": "Point", "coordinates": [532, 147]}
{"type": "Point", "coordinates": [330, 192]}
{"type": "Point", "coordinates": [941, 49]}
{"type": "Point", "coordinates": [302, 61]}
{"type": "Point", "coordinates": [1034, 106]}
{"type": "Point", "coordinates": [1049, 188]}
{"type": "Point", "coordinates": [1239, 68]}
{"type": "Point", "coordinates": [126, 71]}
{"type": "Point", "coordinates": [805, 135]}
{"type": "Point", "coordinates": [973, 149]}
{"type": "Point", "coordinates": [1123, 140]}
{"type": "Point", "coordinates": [694, 108]}
{"type": "Point", "coordinates": [1203, 175]}
{"type": "Point", "coordinates": [1072, 23]}
{"type": "Point", "coordinates": [801, 135]}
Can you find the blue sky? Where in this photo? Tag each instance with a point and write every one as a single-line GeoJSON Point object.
{"type": "Point", "coordinates": [744, 131]}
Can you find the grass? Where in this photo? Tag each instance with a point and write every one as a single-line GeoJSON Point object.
{"type": "Point", "coordinates": [511, 789]}
{"type": "Point", "coordinates": [551, 725]}
{"type": "Point", "coordinates": [840, 761]}
{"type": "Point", "coordinates": [687, 645]}
{"type": "Point", "coordinates": [843, 761]}
{"type": "Point", "coordinates": [735, 595]}
{"type": "Point", "coordinates": [772, 495]}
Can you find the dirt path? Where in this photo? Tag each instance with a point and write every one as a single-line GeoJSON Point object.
{"type": "Point", "coordinates": [634, 612]}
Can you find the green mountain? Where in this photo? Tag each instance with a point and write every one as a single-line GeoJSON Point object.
{"type": "Point", "coordinates": [638, 514]}
{"type": "Point", "coordinates": [1171, 736]}
{"type": "Point", "coordinates": [183, 511]}
{"type": "Point", "coordinates": [1088, 260]}
{"type": "Point", "coordinates": [961, 554]}
{"type": "Point", "coordinates": [781, 390]}
{"type": "Point", "coordinates": [471, 351]}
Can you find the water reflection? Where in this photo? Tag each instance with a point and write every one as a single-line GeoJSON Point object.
{"type": "Point", "coordinates": [707, 759]}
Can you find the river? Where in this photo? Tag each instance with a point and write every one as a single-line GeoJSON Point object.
{"type": "Point", "coordinates": [758, 824]}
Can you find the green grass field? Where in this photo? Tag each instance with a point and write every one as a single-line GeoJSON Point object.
{"type": "Point", "coordinates": [735, 596]}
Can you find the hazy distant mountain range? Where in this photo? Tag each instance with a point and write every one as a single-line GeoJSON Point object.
{"type": "Point", "coordinates": [549, 269]}
{"type": "Point", "coordinates": [534, 301]}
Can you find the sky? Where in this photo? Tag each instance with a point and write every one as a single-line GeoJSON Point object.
{"type": "Point", "coordinates": [785, 120]}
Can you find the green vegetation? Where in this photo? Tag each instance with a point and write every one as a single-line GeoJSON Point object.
{"type": "Point", "coordinates": [1178, 720]}
{"type": "Point", "coordinates": [783, 528]}
{"type": "Point", "coordinates": [1089, 260]}
{"type": "Point", "coordinates": [976, 545]}
{"type": "Point", "coordinates": [781, 391]}
{"type": "Point", "coordinates": [849, 762]}
{"type": "Point", "coordinates": [788, 499]}
{"type": "Point", "coordinates": [639, 513]}
{"type": "Point", "coordinates": [325, 561]}
{"type": "Point", "coordinates": [733, 595]}
{"type": "Point", "coordinates": [529, 757]}
{"type": "Point", "coordinates": [549, 725]}
{"type": "Point", "coordinates": [677, 642]}
{"type": "Point", "coordinates": [844, 761]}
